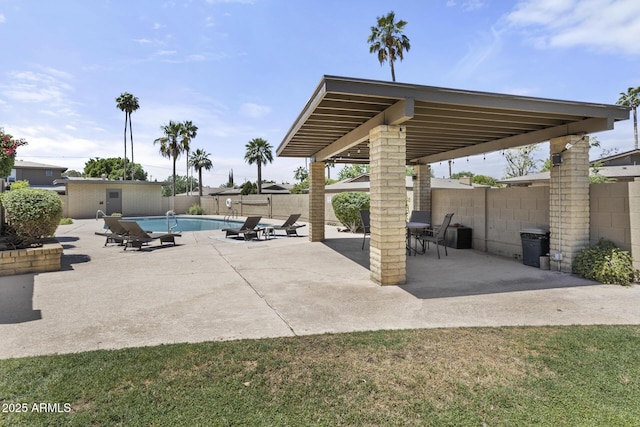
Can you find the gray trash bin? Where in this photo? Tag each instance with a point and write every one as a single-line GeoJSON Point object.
{"type": "Point", "coordinates": [535, 243]}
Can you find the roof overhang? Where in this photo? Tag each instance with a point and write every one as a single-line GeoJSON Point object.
{"type": "Point", "coordinates": [441, 123]}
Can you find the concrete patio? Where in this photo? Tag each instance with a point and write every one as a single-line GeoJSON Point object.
{"type": "Point", "coordinates": [209, 288]}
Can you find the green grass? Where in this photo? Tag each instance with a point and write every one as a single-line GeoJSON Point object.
{"type": "Point", "coordinates": [550, 376]}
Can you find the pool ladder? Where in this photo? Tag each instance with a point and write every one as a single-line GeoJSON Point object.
{"type": "Point", "coordinates": [98, 213]}
{"type": "Point", "coordinates": [171, 215]}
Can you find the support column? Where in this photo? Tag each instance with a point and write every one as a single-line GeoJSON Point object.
{"type": "Point", "coordinates": [316, 201]}
{"type": "Point", "coordinates": [387, 257]}
{"type": "Point", "coordinates": [422, 188]}
{"type": "Point", "coordinates": [569, 200]}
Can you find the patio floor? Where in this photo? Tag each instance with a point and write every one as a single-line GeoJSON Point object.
{"type": "Point", "coordinates": [209, 288]}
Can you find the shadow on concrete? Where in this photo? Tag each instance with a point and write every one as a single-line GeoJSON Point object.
{"type": "Point", "coordinates": [67, 261]}
{"type": "Point", "coordinates": [64, 241]}
{"type": "Point", "coordinates": [16, 299]}
{"type": "Point", "coordinates": [463, 272]}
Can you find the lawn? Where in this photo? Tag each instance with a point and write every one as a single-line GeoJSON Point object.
{"type": "Point", "coordinates": [548, 376]}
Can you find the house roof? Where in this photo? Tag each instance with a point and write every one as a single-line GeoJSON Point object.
{"type": "Point", "coordinates": [441, 123]}
{"type": "Point", "coordinates": [635, 152]}
{"type": "Point", "coordinates": [617, 172]}
{"type": "Point", "coordinates": [361, 183]}
{"type": "Point", "coordinates": [24, 164]}
{"type": "Point", "coordinates": [81, 180]}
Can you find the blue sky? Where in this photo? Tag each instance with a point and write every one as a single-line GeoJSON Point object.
{"type": "Point", "coordinates": [242, 69]}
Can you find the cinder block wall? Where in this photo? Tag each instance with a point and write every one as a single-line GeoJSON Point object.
{"type": "Point", "coordinates": [609, 205]}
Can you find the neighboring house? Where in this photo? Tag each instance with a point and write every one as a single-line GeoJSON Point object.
{"type": "Point", "coordinates": [628, 158]}
{"type": "Point", "coordinates": [39, 175]}
{"type": "Point", "coordinates": [622, 167]}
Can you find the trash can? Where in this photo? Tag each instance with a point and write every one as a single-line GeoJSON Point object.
{"type": "Point", "coordinates": [535, 243]}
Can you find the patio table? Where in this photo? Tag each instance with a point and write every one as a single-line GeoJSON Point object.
{"type": "Point", "coordinates": [412, 227]}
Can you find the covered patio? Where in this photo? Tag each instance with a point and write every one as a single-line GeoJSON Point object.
{"type": "Point", "coordinates": [391, 125]}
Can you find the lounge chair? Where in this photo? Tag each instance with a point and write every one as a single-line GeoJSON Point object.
{"type": "Point", "coordinates": [136, 236]}
{"type": "Point", "coordinates": [115, 232]}
{"type": "Point", "coordinates": [437, 235]}
{"type": "Point", "coordinates": [248, 230]}
{"type": "Point", "coordinates": [290, 225]}
{"type": "Point", "coordinates": [365, 217]}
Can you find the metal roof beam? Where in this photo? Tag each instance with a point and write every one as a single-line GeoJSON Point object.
{"type": "Point", "coordinates": [395, 115]}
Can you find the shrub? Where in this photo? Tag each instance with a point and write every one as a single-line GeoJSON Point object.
{"type": "Point", "coordinates": [66, 221]}
{"type": "Point", "coordinates": [347, 207]}
{"type": "Point", "coordinates": [606, 263]}
{"type": "Point", "coordinates": [19, 185]}
{"type": "Point", "coordinates": [33, 214]}
{"type": "Point", "coordinates": [196, 209]}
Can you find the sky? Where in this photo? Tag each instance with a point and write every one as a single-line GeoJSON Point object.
{"type": "Point", "coordinates": [244, 69]}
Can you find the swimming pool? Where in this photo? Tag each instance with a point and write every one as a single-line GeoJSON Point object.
{"type": "Point", "coordinates": [183, 223]}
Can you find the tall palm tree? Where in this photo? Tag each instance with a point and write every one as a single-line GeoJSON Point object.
{"type": "Point", "coordinates": [259, 152]}
{"type": "Point", "coordinates": [188, 133]}
{"type": "Point", "coordinates": [200, 160]}
{"type": "Point", "coordinates": [171, 145]}
{"type": "Point", "coordinates": [127, 103]}
{"type": "Point", "coordinates": [631, 99]}
{"type": "Point", "coordinates": [387, 40]}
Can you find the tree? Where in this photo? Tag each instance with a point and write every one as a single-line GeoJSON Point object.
{"type": "Point", "coordinates": [72, 173]}
{"type": "Point", "coordinates": [300, 174]}
{"type": "Point", "coordinates": [484, 180]}
{"type": "Point", "coordinates": [249, 188]}
{"type": "Point", "coordinates": [329, 165]}
{"type": "Point", "coordinates": [459, 175]}
{"type": "Point", "coordinates": [127, 103]}
{"type": "Point", "coordinates": [171, 145]}
{"type": "Point", "coordinates": [352, 171]}
{"type": "Point", "coordinates": [387, 41]}
{"type": "Point", "coordinates": [631, 99]}
{"type": "Point", "coordinates": [111, 167]}
{"type": "Point", "coordinates": [179, 182]}
{"type": "Point", "coordinates": [520, 161]}
{"type": "Point", "coordinates": [188, 132]}
{"type": "Point", "coordinates": [259, 152]}
{"type": "Point", "coordinates": [200, 160]}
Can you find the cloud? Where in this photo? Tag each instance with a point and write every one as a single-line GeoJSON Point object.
{"type": "Point", "coordinates": [479, 53]}
{"type": "Point", "coordinates": [254, 111]}
{"type": "Point", "coordinates": [611, 26]}
{"type": "Point", "coordinates": [48, 86]}
{"type": "Point", "coordinates": [467, 5]}
{"type": "Point", "coordinates": [2, 19]}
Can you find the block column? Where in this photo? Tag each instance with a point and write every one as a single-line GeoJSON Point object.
{"type": "Point", "coordinates": [422, 188]}
{"type": "Point", "coordinates": [387, 257]}
{"type": "Point", "coordinates": [634, 220]}
{"type": "Point", "coordinates": [569, 200]}
{"type": "Point", "coordinates": [316, 201]}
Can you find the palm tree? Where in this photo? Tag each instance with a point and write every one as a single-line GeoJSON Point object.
{"type": "Point", "coordinates": [127, 103]}
{"type": "Point", "coordinates": [301, 173]}
{"type": "Point", "coordinates": [259, 152]}
{"type": "Point", "coordinates": [189, 131]}
{"type": "Point", "coordinates": [200, 160]}
{"type": "Point", "coordinates": [631, 99]}
{"type": "Point", "coordinates": [387, 40]}
{"type": "Point", "coordinates": [171, 145]}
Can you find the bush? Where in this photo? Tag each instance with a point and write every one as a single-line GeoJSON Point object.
{"type": "Point", "coordinates": [347, 207]}
{"type": "Point", "coordinates": [606, 263]}
{"type": "Point", "coordinates": [20, 185]}
{"type": "Point", "coordinates": [196, 209]}
{"type": "Point", "coordinates": [33, 214]}
{"type": "Point", "coordinates": [66, 221]}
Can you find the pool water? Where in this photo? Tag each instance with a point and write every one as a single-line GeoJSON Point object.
{"type": "Point", "coordinates": [181, 224]}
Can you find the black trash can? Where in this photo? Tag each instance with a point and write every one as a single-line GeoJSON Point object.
{"type": "Point", "coordinates": [535, 243]}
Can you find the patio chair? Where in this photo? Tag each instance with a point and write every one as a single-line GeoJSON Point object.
{"type": "Point", "coordinates": [248, 230]}
{"type": "Point", "coordinates": [419, 216]}
{"type": "Point", "coordinates": [136, 236]}
{"type": "Point", "coordinates": [365, 217]}
{"type": "Point", "coordinates": [290, 225]}
{"type": "Point", "coordinates": [436, 235]}
{"type": "Point", "coordinates": [115, 232]}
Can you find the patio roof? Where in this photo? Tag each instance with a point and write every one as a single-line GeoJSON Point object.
{"type": "Point", "coordinates": [441, 123]}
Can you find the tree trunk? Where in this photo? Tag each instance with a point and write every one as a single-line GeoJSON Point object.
{"type": "Point", "coordinates": [133, 165]}
{"type": "Point", "coordinates": [174, 176]}
{"type": "Point", "coordinates": [635, 127]}
{"type": "Point", "coordinates": [200, 186]}
{"type": "Point", "coordinates": [393, 72]}
{"type": "Point", "coordinates": [124, 161]}
{"type": "Point", "coordinates": [259, 177]}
